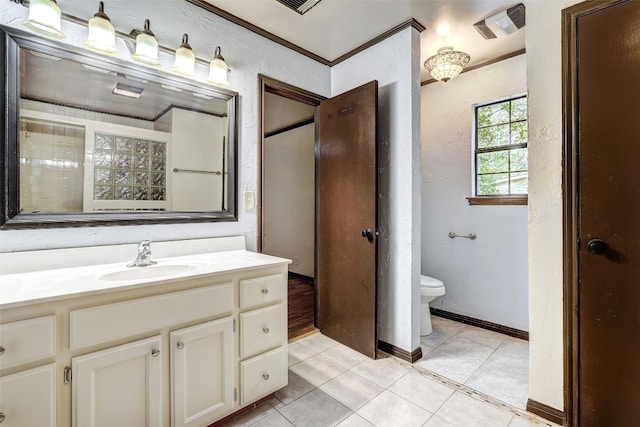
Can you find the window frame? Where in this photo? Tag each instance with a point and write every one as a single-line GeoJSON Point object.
{"type": "Point", "coordinates": [495, 199]}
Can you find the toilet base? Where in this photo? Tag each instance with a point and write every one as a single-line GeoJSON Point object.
{"type": "Point", "coordinates": [425, 320]}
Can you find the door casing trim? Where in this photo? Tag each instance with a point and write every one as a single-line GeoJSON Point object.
{"type": "Point", "coordinates": [277, 87]}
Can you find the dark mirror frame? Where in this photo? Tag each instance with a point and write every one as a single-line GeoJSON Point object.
{"type": "Point", "coordinates": [11, 41]}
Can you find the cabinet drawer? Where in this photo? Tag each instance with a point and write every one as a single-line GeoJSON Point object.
{"type": "Point", "coordinates": [97, 325]}
{"type": "Point", "coordinates": [263, 374]}
{"type": "Point", "coordinates": [29, 397]}
{"type": "Point", "coordinates": [27, 341]}
{"type": "Point", "coordinates": [261, 290]}
{"type": "Point", "coordinates": [261, 330]}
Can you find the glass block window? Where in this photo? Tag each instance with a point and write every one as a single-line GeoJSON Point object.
{"type": "Point", "coordinates": [501, 163]}
{"type": "Point", "coordinates": [127, 168]}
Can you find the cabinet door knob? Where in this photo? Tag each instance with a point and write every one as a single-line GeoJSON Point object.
{"type": "Point", "coordinates": [2, 417]}
{"type": "Point", "coordinates": [265, 376]}
{"type": "Point", "coordinates": [265, 291]}
{"type": "Point", "coordinates": [155, 352]}
{"type": "Point", "coordinates": [180, 345]}
{"type": "Point", "coordinates": [1, 353]}
{"type": "Point", "coordinates": [265, 330]}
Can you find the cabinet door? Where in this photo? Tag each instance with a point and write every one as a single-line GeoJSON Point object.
{"type": "Point", "coordinates": [202, 373]}
{"type": "Point", "coordinates": [119, 386]}
{"type": "Point", "coordinates": [28, 398]}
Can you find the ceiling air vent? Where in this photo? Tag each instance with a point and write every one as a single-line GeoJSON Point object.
{"type": "Point", "coordinates": [502, 23]}
{"type": "Point", "coordinates": [300, 6]}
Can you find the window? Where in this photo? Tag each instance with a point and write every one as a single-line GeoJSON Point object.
{"type": "Point", "coordinates": [501, 149]}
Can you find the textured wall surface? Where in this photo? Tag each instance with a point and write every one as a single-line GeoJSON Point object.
{"type": "Point", "coordinates": [544, 74]}
{"type": "Point", "coordinates": [289, 187]}
{"type": "Point", "coordinates": [247, 54]}
{"type": "Point", "coordinates": [486, 278]}
{"type": "Point", "coordinates": [395, 64]}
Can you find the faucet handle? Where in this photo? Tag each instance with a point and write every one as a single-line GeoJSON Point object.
{"type": "Point", "coordinates": [144, 244]}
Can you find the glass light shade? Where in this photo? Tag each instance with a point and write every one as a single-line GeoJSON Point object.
{"type": "Point", "coordinates": [146, 47]}
{"type": "Point", "coordinates": [44, 18]}
{"type": "Point", "coordinates": [102, 35]}
{"type": "Point", "coordinates": [446, 64]}
{"type": "Point", "coordinates": [185, 63]}
{"type": "Point", "coordinates": [218, 70]}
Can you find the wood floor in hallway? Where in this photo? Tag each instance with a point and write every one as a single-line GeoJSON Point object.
{"type": "Point", "coordinates": [301, 305]}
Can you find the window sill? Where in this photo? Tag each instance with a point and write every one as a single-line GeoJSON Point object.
{"type": "Point", "coordinates": [498, 200]}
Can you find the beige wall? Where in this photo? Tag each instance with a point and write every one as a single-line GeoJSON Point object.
{"type": "Point", "coordinates": [544, 77]}
{"type": "Point", "coordinates": [289, 198]}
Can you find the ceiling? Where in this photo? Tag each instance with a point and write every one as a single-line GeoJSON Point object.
{"type": "Point", "coordinates": [335, 27]}
{"type": "Point", "coordinates": [91, 89]}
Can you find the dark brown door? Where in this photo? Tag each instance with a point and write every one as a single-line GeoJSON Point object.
{"type": "Point", "coordinates": [346, 236]}
{"type": "Point", "coordinates": [608, 189]}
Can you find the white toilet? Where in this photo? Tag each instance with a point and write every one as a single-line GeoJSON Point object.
{"type": "Point", "coordinates": [430, 288]}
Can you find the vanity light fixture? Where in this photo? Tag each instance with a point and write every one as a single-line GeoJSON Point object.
{"type": "Point", "coordinates": [44, 18]}
{"type": "Point", "coordinates": [146, 46]}
{"type": "Point", "coordinates": [102, 35]}
{"type": "Point", "coordinates": [185, 63]}
{"type": "Point", "coordinates": [218, 69]}
{"type": "Point", "coordinates": [446, 64]}
{"type": "Point", "coordinates": [128, 91]}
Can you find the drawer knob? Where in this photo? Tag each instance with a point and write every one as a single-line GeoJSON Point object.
{"type": "Point", "coordinates": [265, 377]}
{"type": "Point", "coordinates": [265, 291]}
{"type": "Point", "coordinates": [155, 352]}
{"type": "Point", "coordinates": [265, 330]}
{"type": "Point", "coordinates": [2, 417]}
{"type": "Point", "coordinates": [1, 353]}
{"type": "Point", "coordinates": [180, 345]}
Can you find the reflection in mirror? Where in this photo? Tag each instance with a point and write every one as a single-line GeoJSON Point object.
{"type": "Point", "coordinates": [98, 138]}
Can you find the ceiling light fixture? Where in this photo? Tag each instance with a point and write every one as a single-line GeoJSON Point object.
{"type": "Point", "coordinates": [218, 69]}
{"type": "Point", "coordinates": [102, 35]}
{"type": "Point", "coordinates": [185, 63]}
{"type": "Point", "coordinates": [44, 18]}
{"type": "Point", "coordinates": [146, 46]}
{"type": "Point", "coordinates": [502, 23]}
{"type": "Point", "coordinates": [446, 64]}
{"type": "Point", "coordinates": [128, 91]}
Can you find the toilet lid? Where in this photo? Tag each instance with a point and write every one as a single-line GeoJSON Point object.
{"type": "Point", "coordinates": [430, 282]}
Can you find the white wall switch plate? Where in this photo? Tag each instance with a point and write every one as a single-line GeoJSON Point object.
{"type": "Point", "coordinates": [249, 200]}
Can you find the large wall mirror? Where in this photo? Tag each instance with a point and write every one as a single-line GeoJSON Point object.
{"type": "Point", "coordinates": [94, 140]}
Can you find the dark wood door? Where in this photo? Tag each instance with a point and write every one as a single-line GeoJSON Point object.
{"type": "Point", "coordinates": [346, 223]}
{"type": "Point", "coordinates": [608, 189]}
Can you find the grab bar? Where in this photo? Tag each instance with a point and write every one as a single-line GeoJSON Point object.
{"type": "Point", "coordinates": [470, 236]}
{"type": "Point", "coordinates": [176, 170]}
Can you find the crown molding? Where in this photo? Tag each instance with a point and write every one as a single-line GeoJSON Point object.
{"type": "Point", "coordinates": [413, 23]}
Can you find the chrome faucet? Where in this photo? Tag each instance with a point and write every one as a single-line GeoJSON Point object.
{"type": "Point", "coordinates": [144, 255]}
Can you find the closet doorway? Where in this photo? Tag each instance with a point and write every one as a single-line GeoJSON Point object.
{"type": "Point", "coordinates": [287, 210]}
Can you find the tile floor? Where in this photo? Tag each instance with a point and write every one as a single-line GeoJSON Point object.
{"type": "Point", "coordinates": [486, 361]}
{"type": "Point", "coordinates": [332, 385]}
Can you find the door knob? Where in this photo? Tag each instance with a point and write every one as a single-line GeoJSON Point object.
{"type": "Point", "coordinates": [597, 246]}
{"type": "Point", "coordinates": [368, 234]}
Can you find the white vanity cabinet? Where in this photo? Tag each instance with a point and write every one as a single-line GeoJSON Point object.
{"type": "Point", "coordinates": [28, 397]}
{"type": "Point", "coordinates": [119, 386]}
{"type": "Point", "coordinates": [202, 378]}
{"type": "Point", "coordinates": [185, 351]}
{"type": "Point", "coordinates": [263, 336]}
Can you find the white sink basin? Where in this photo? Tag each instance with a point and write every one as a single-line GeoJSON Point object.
{"type": "Point", "coordinates": [149, 272]}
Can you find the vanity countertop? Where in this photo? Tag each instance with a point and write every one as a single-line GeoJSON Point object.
{"type": "Point", "coordinates": [25, 288]}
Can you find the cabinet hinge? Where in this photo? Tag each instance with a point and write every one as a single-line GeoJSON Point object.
{"type": "Point", "coordinates": [235, 394]}
{"type": "Point", "coordinates": [234, 325]}
{"type": "Point", "coordinates": [67, 375]}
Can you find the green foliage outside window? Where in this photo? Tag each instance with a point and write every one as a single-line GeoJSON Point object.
{"type": "Point", "coordinates": [501, 148]}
